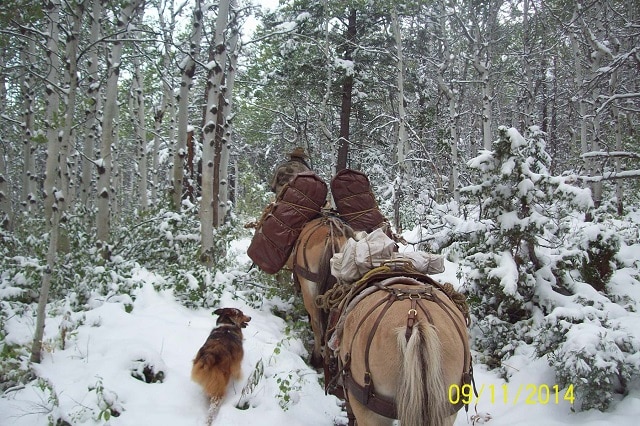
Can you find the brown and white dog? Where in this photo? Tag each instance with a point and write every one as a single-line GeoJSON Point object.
{"type": "Point", "coordinates": [220, 357]}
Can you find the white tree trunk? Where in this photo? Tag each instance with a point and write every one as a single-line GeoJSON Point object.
{"type": "Point", "coordinates": [483, 69]}
{"type": "Point", "coordinates": [528, 107]}
{"type": "Point", "coordinates": [6, 213]}
{"type": "Point", "coordinates": [159, 112]}
{"type": "Point", "coordinates": [36, 348]}
{"type": "Point", "coordinates": [482, 42]}
{"type": "Point", "coordinates": [227, 114]}
{"type": "Point", "coordinates": [447, 89]}
{"type": "Point", "coordinates": [57, 150]}
{"type": "Point", "coordinates": [323, 116]}
{"type": "Point", "coordinates": [617, 127]}
{"type": "Point", "coordinates": [104, 189]}
{"type": "Point", "coordinates": [70, 85]}
{"type": "Point", "coordinates": [187, 68]}
{"type": "Point", "coordinates": [92, 126]}
{"type": "Point", "coordinates": [214, 89]}
{"type": "Point", "coordinates": [52, 107]}
{"type": "Point", "coordinates": [138, 118]}
{"type": "Point", "coordinates": [598, 53]}
{"type": "Point", "coordinates": [402, 139]}
{"type": "Point", "coordinates": [165, 111]}
{"type": "Point", "coordinates": [28, 198]}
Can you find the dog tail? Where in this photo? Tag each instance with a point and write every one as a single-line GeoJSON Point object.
{"type": "Point", "coordinates": [211, 373]}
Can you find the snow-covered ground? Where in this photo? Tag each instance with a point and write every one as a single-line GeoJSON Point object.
{"type": "Point", "coordinates": [94, 372]}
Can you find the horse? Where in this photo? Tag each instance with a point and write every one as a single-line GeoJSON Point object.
{"type": "Point", "coordinates": [405, 353]}
{"type": "Point", "coordinates": [401, 341]}
{"type": "Point", "coordinates": [319, 239]}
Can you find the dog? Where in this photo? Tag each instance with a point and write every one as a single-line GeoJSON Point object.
{"type": "Point", "coordinates": [220, 357]}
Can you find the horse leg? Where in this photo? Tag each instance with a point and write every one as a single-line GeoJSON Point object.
{"type": "Point", "coordinates": [318, 335]}
{"type": "Point", "coordinates": [309, 293]}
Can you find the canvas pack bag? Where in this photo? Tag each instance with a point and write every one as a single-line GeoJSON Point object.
{"type": "Point", "coordinates": [375, 249]}
{"type": "Point", "coordinates": [298, 202]}
{"type": "Point", "coordinates": [355, 202]}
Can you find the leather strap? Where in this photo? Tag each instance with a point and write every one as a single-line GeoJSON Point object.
{"type": "Point", "coordinates": [365, 394]}
{"type": "Point", "coordinates": [375, 403]}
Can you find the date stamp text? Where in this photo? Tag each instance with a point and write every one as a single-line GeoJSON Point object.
{"type": "Point", "coordinates": [530, 394]}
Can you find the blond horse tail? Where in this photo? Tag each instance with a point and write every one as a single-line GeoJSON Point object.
{"type": "Point", "coordinates": [421, 396]}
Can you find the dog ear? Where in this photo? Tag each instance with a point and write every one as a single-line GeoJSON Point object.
{"type": "Point", "coordinates": [219, 311]}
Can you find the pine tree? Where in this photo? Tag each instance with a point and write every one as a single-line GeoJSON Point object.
{"type": "Point", "coordinates": [519, 204]}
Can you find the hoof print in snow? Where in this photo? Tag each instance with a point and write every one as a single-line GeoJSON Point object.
{"type": "Point", "coordinates": [147, 372]}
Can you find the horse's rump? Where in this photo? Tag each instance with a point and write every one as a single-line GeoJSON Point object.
{"type": "Point", "coordinates": [403, 328]}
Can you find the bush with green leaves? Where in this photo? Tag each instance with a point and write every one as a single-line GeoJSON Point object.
{"type": "Point", "coordinates": [538, 276]}
{"type": "Point", "coordinates": [600, 247]}
{"type": "Point", "coordinates": [520, 209]}
{"type": "Point", "coordinates": [591, 349]}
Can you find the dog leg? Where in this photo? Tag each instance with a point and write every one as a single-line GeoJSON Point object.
{"type": "Point", "coordinates": [214, 408]}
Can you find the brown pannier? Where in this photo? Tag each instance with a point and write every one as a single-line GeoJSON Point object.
{"type": "Point", "coordinates": [298, 202]}
{"type": "Point", "coordinates": [355, 202]}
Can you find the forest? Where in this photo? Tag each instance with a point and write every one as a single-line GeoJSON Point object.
{"type": "Point", "coordinates": [142, 135]}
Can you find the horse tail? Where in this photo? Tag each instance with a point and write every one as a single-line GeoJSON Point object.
{"type": "Point", "coordinates": [421, 396]}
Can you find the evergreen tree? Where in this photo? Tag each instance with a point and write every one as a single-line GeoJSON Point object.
{"type": "Point", "coordinates": [520, 205]}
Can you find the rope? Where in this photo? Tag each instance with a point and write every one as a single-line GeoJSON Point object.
{"type": "Point", "coordinates": [333, 297]}
{"type": "Point", "coordinates": [458, 299]}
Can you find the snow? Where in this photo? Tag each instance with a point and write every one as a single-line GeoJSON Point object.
{"type": "Point", "coordinates": [120, 336]}
{"type": "Point", "coordinates": [111, 342]}
{"type": "Point", "coordinates": [346, 65]}
{"type": "Point", "coordinates": [507, 271]}
{"type": "Point", "coordinates": [286, 27]}
{"type": "Point", "coordinates": [105, 345]}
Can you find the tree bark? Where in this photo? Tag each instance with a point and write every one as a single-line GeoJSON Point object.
{"type": "Point", "coordinates": [447, 89]}
{"type": "Point", "coordinates": [347, 90]}
{"type": "Point", "coordinates": [52, 107]}
{"type": "Point", "coordinates": [188, 69]}
{"type": "Point", "coordinates": [105, 191]}
{"type": "Point", "coordinates": [138, 115]}
{"type": "Point", "coordinates": [214, 90]}
{"type": "Point", "coordinates": [226, 112]}
{"type": "Point", "coordinates": [6, 213]}
{"type": "Point", "coordinates": [402, 140]}
{"type": "Point", "coordinates": [36, 348]}
{"type": "Point", "coordinates": [28, 198]}
{"type": "Point", "coordinates": [57, 152]}
{"type": "Point", "coordinates": [92, 125]}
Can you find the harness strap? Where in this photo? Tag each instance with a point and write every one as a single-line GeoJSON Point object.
{"type": "Point", "coordinates": [467, 374]}
{"type": "Point", "coordinates": [365, 394]}
{"type": "Point", "coordinates": [411, 319]}
{"type": "Point", "coordinates": [375, 403]}
{"type": "Point", "coordinates": [304, 271]}
{"type": "Point", "coordinates": [367, 373]}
